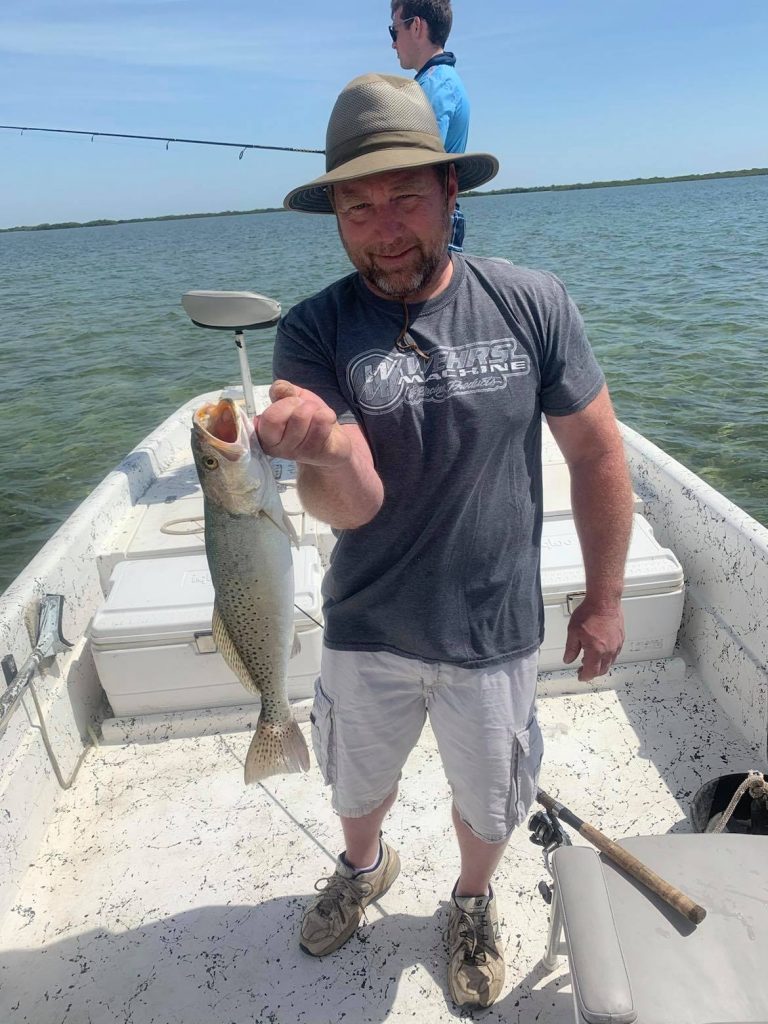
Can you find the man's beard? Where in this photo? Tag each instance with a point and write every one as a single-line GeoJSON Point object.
{"type": "Point", "coordinates": [399, 284]}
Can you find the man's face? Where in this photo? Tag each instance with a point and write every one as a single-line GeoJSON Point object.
{"type": "Point", "coordinates": [396, 226]}
{"type": "Point", "coordinates": [405, 44]}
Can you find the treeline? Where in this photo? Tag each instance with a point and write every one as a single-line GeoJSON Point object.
{"type": "Point", "coordinates": [625, 181]}
{"type": "Point", "coordinates": [103, 222]}
{"type": "Point", "coordinates": [493, 192]}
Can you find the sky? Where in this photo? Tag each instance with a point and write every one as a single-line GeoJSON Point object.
{"type": "Point", "coordinates": [561, 91]}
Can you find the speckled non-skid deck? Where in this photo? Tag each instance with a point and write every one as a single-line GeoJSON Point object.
{"type": "Point", "coordinates": [168, 893]}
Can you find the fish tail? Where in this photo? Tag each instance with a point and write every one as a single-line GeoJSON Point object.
{"type": "Point", "coordinates": [276, 748]}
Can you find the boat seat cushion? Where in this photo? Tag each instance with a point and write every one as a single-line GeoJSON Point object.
{"type": "Point", "coordinates": [631, 953]}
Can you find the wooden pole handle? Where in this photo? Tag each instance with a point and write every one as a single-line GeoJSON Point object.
{"type": "Point", "coordinates": [683, 904]}
{"type": "Point", "coordinates": [669, 893]}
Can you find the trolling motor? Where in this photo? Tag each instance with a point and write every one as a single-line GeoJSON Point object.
{"type": "Point", "coordinates": [238, 312]}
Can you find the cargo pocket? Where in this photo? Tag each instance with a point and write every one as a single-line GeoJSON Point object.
{"type": "Point", "coordinates": [527, 752]}
{"type": "Point", "coordinates": [323, 734]}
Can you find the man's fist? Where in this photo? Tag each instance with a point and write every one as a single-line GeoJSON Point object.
{"type": "Point", "coordinates": [300, 426]}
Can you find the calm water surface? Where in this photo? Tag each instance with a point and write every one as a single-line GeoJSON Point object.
{"type": "Point", "coordinates": [95, 349]}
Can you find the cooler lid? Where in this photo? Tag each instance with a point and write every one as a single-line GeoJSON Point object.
{"type": "Point", "coordinates": [170, 599]}
{"type": "Point", "coordinates": [169, 528]}
{"type": "Point", "coordinates": [650, 568]}
{"type": "Point", "coordinates": [556, 478]}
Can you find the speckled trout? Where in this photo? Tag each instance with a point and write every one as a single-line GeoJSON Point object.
{"type": "Point", "coordinates": [248, 544]}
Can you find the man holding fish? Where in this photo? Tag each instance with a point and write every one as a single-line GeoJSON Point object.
{"type": "Point", "coordinates": [410, 394]}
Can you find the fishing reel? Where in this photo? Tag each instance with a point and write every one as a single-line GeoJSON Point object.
{"type": "Point", "coordinates": [547, 832]}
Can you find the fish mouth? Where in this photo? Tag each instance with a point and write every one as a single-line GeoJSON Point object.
{"type": "Point", "coordinates": [223, 425]}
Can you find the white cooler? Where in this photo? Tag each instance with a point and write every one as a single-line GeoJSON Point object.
{"type": "Point", "coordinates": [652, 601]}
{"type": "Point", "coordinates": [556, 479]}
{"type": "Point", "coordinates": [152, 642]}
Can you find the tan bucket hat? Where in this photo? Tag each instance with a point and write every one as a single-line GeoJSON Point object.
{"type": "Point", "coordinates": [384, 123]}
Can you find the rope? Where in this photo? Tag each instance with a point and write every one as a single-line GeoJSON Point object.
{"type": "Point", "coordinates": [757, 785]}
{"type": "Point", "coordinates": [166, 527]}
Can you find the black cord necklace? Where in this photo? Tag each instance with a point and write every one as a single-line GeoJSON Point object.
{"type": "Point", "coordinates": [404, 342]}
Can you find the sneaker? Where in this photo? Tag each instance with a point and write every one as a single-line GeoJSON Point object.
{"type": "Point", "coordinates": [475, 952]}
{"type": "Point", "coordinates": [334, 915]}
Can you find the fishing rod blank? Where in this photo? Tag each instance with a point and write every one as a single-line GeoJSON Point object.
{"type": "Point", "coordinates": [242, 146]}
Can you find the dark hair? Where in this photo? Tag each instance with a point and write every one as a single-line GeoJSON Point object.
{"type": "Point", "coordinates": [436, 13]}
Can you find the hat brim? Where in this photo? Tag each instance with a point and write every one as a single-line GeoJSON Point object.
{"type": "Point", "coordinates": [472, 170]}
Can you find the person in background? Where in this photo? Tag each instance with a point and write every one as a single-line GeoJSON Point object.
{"type": "Point", "coordinates": [419, 32]}
{"type": "Point", "coordinates": [410, 394]}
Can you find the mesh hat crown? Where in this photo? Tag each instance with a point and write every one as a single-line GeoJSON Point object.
{"type": "Point", "coordinates": [384, 123]}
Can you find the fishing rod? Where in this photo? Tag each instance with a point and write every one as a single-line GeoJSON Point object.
{"type": "Point", "coordinates": [665, 890]}
{"type": "Point", "coordinates": [242, 146]}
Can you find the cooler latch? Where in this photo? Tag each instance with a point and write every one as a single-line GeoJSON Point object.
{"type": "Point", "coordinates": [205, 643]}
{"type": "Point", "coordinates": [573, 600]}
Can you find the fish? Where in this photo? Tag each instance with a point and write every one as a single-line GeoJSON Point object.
{"type": "Point", "coordinates": [248, 539]}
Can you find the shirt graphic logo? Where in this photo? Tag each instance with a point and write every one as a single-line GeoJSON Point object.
{"type": "Point", "coordinates": [381, 381]}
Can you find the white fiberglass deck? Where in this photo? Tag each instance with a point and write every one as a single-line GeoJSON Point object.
{"type": "Point", "coordinates": [167, 892]}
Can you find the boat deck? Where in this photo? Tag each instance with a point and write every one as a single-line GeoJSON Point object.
{"type": "Point", "coordinates": [167, 892]}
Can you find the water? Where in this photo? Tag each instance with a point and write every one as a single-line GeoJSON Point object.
{"type": "Point", "coordinates": [95, 349]}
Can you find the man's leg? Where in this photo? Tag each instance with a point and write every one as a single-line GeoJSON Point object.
{"type": "Point", "coordinates": [479, 859]}
{"type": "Point", "coordinates": [490, 745]}
{"type": "Point", "coordinates": [361, 835]}
{"type": "Point", "coordinates": [368, 712]}
{"type": "Point", "coordinates": [364, 873]}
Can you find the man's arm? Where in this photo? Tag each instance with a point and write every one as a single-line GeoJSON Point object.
{"type": "Point", "coordinates": [601, 496]}
{"type": "Point", "coordinates": [337, 480]}
{"type": "Point", "coordinates": [442, 99]}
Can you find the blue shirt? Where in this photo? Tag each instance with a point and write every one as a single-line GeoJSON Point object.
{"type": "Point", "coordinates": [445, 91]}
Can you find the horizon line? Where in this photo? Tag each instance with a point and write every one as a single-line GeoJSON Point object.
{"type": "Point", "coordinates": [512, 190]}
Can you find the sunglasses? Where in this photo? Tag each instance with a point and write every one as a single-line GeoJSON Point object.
{"type": "Point", "coordinates": [394, 30]}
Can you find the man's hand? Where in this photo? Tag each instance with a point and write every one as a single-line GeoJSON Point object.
{"type": "Point", "coordinates": [337, 480]}
{"type": "Point", "coordinates": [599, 633]}
{"type": "Point", "coordinates": [300, 426]}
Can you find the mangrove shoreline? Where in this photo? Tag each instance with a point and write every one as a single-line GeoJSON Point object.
{"type": "Point", "coordinates": [493, 192]}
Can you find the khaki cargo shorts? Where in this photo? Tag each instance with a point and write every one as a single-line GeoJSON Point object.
{"type": "Point", "coordinates": [370, 708]}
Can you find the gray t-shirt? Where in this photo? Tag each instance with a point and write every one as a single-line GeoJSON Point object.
{"type": "Point", "coordinates": [448, 570]}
